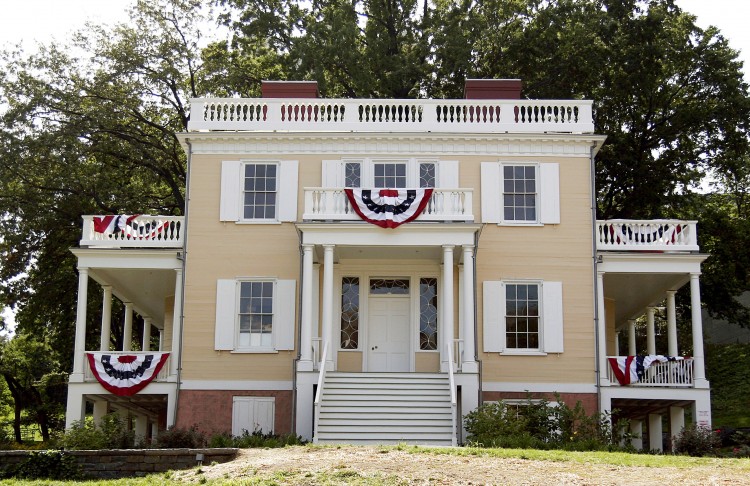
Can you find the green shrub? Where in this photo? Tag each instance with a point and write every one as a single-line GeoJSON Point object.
{"type": "Point", "coordinates": [255, 439]}
{"type": "Point", "coordinates": [111, 433]}
{"type": "Point", "coordinates": [696, 441]}
{"type": "Point", "coordinates": [179, 438]}
{"type": "Point", "coordinates": [45, 465]}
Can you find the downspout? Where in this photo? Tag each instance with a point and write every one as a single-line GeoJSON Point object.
{"type": "Point", "coordinates": [184, 268]}
{"type": "Point", "coordinates": [476, 314]}
{"type": "Point", "coordinates": [597, 351]}
{"type": "Point", "coordinates": [299, 335]}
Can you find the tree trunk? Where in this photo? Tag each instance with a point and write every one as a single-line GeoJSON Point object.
{"type": "Point", "coordinates": [17, 421]}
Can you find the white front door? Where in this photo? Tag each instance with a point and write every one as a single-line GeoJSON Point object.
{"type": "Point", "coordinates": [388, 336]}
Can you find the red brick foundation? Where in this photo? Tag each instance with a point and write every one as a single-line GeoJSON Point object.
{"type": "Point", "coordinates": [211, 410]}
{"type": "Point", "coordinates": [588, 400]}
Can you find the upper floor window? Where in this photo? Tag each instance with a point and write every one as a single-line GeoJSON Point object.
{"type": "Point", "coordinates": [519, 193]}
{"type": "Point", "coordinates": [260, 191]}
{"type": "Point", "coordinates": [256, 315]}
{"type": "Point", "coordinates": [390, 174]}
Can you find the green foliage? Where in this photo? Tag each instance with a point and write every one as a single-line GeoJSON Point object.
{"type": "Point", "coordinates": [176, 438]}
{"type": "Point", "coordinates": [696, 441]}
{"type": "Point", "coordinates": [537, 424]}
{"type": "Point", "coordinates": [112, 433]}
{"type": "Point", "coordinates": [726, 369]}
{"type": "Point", "coordinates": [258, 439]}
{"type": "Point", "coordinates": [45, 465]}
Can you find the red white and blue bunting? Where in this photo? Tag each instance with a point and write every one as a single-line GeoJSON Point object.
{"type": "Point", "coordinates": [666, 234]}
{"type": "Point", "coordinates": [388, 208]}
{"type": "Point", "coordinates": [126, 227]}
{"type": "Point", "coordinates": [126, 374]}
{"type": "Point", "coordinates": [632, 369]}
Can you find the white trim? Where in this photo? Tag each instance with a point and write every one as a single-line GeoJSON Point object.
{"type": "Point", "coordinates": [236, 385]}
{"type": "Point", "coordinates": [514, 387]}
{"type": "Point", "coordinates": [537, 194]}
{"type": "Point", "coordinates": [413, 234]}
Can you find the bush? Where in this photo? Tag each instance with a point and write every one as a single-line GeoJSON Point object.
{"type": "Point", "coordinates": [696, 441]}
{"type": "Point", "coordinates": [45, 465]}
{"type": "Point", "coordinates": [254, 440]}
{"type": "Point", "coordinates": [179, 438]}
{"type": "Point", "coordinates": [111, 433]}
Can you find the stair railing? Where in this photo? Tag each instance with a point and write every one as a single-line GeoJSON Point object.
{"type": "Point", "coordinates": [319, 391]}
{"type": "Point", "coordinates": [452, 383]}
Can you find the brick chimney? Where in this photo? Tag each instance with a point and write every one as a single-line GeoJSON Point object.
{"type": "Point", "coordinates": [492, 89]}
{"type": "Point", "coordinates": [289, 89]}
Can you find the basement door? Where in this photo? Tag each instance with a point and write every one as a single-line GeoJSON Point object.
{"type": "Point", "coordinates": [388, 335]}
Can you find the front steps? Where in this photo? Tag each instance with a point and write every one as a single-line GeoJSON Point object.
{"type": "Point", "coordinates": [385, 408]}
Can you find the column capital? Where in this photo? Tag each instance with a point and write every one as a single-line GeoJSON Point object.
{"type": "Point", "coordinates": [448, 247]}
{"type": "Point", "coordinates": [671, 292]}
{"type": "Point", "coordinates": [467, 247]}
{"type": "Point", "coordinates": [83, 270]}
{"type": "Point", "coordinates": [308, 246]}
{"type": "Point", "coordinates": [328, 246]}
{"type": "Point", "coordinates": [106, 287]}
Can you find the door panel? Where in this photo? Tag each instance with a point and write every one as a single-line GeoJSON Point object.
{"type": "Point", "coordinates": [388, 343]}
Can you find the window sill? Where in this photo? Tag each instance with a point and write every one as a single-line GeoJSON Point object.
{"type": "Point", "coordinates": [522, 352]}
{"type": "Point", "coordinates": [254, 351]}
{"type": "Point", "coordinates": [520, 224]}
{"type": "Point", "coordinates": [258, 221]}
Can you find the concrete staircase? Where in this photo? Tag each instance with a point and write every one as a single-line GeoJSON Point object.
{"type": "Point", "coordinates": [385, 408]}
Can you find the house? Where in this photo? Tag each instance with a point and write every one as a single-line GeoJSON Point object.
{"type": "Point", "coordinates": [361, 270]}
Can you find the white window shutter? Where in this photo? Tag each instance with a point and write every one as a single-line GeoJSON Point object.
{"type": "Point", "coordinates": [333, 174]}
{"type": "Point", "coordinates": [229, 204]}
{"type": "Point", "coordinates": [287, 203]}
{"type": "Point", "coordinates": [493, 316]}
{"type": "Point", "coordinates": [491, 186]}
{"type": "Point", "coordinates": [552, 317]}
{"type": "Point", "coordinates": [447, 174]}
{"type": "Point", "coordinates": [263, 414]}
{"type": "Point", "coordinates": [283, 322]}
{"type": "Point", "coordinates": [242, 415]}
{"type": "Point", "coordinates": [226, 311]}
{"type": "Point", "coordinates": [253, 413]}
{"type": "Point", "coordinates": [549, 192]}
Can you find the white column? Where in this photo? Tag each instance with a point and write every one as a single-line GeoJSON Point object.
{"type": "Point", "coordinates": [161, 339]}
{"type": "Point", "coordinates": [305, 363]}
{"type": "Point", "coordinates": [636, 430]}
{"type": "Point", "coordinates": [141, 427]}
{"type": "Point", "coordinates": [650, 332]}
{"type": "Point", "coordinates": [106, 317]}
{"type": "Point", "coordinates": [80, 339]}
{"type": "Point", "coordinates": [154, 431]}
{"type": "Point", "coordinates": [632, 351]}
{"type": "Point", "coordinates": [602, 327]}
{"type": "Point", "coordinates": [654, 432]}
{"type": "Point", "coordinates": [127, 328]}
{"type": "Point", "coordinates": [699, 371]}
{"type": "Point", "coordinates": [146, 343]}
{"type": "Point", "coordinates": [469, 365]}
{"type": "Point", "coordinates": [328, 304]}
{"type": "Point", "coordinates": [671, 324]}
{"type": "Point", "coordinates": [447, 330]}
{"type": "Point", "coordinates": [100, 410]}
{"type": "Point", "coordinates": [174, 354]}
{"type": "Point", "coordinates": [617, 343]}
{"type": "Point", "coordinates": [676, 422]}
{"type": "Point", "coordinates": [76, 408]}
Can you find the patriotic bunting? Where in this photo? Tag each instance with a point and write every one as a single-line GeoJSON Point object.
{"type": "Point", "coordinates": [388, 208]}
{"type": "Point", "coordinates": [632, 369]}
{"type": "Point", "coordinates": [126, 374]}
{"type": "Point", "coordinates": [126, 227]}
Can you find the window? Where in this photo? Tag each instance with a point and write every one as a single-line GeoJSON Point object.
{"type": "Point", "coordinates": [255, 315]}
{"type": "Point", "coordinates": [428, 314]}
{"type": "Point", "coordinates": [427, 174]}
{"type": "Point", "coordinates": [259, 201]}
{"type": "Point", "coordinates": [519, 193]}
{"type": "Point", "coordinates": [390, 175]}
{"type": "Point", "coordinates": [522, 317]}
{"type": "Point", "coordinates": [350, 313]}
{"type": "Point", "coordinates": [353, 175]}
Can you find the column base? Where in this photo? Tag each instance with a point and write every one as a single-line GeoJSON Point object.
{"type": "Point", "coordinates": [469, 367]}
{"type": "Point", "coordinates": [304, 365]}
{"type": "Point", "coordinates": [75, 378]}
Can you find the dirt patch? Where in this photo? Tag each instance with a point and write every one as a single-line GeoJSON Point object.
{"type": "Point", "coordinates": [379, 465]}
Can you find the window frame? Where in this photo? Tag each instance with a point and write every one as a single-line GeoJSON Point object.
{"type": "Point", "coordinates": [536, 194]}
{"type": "Point", "coordinates": [238, 316]}
{"type": "Point", "coordinates": [243, 192]}
{"type": "Point", "coordinates": [540, 324]}
{"type": "Point", "coordinates": [413, 170]}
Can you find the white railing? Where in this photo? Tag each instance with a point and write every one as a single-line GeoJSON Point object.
{"type": "Point", "coordinates": [319, 391]}
{"type": "Point", "coordinates": [366, 115]}
{"type": "Point", "coordinates": [162, 376]}
{"type": "Point", "coordinates": [331, 204]}
{"type": "Point", "coordinates": [669, 374]}
{"type": "Point", "coordinates": [452, 384]}
{"type": "Point", "coordinates": [316, 352]}
{"type": "Point", "coordinates": [143, 232]}
{"type": "Point", "coordinates": [646, 235]}
{"type": "Point", "coordinates": [458, 352]}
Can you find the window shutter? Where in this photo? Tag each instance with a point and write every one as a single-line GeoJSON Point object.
{"type": "Point", "coordinates": [226, 299]}
{"type": "Point", "coordinates": [253, 414]}
{"type": "Point", "coordinates": [333, 174]}
{"type": "Point", "coordinates": [491, 192]}
{"type": "Point", "coordinates": [229, 205]}
{"type": "Point", "coordinates": [287, 203]}
{"type": "Point", "coordinates": [283, 322]}
{"type": "Point", "coordinates": [549, 191]}
{"type": "Point", "coordinates": [242, 415]}
{"type": "Point", "coordinates": [447, 174]}
{"type": "Point", "coordinates": [552, 316]}
{"type": "Point", "coordinates": [493, 316]}
{"type": "Point", "coordinates": [263, 415]}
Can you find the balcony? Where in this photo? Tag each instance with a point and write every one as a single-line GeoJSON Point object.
{"type": "Point", "coordinates": [404, 116]}
{"type": "Point", "coordinates": [672, 374]}
{"type": "Point", "coordinates": [141, 231]}
{"type": "Point", "coordinates": [331, 204]}
{"type": "Point", "coordinates": [658, 235]}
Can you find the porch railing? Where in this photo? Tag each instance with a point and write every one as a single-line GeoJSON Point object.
{"type": "Point", "coordinates": [664, 235]}
{"type": "Point", "coordinates": [143, 231]}
{"type": "Point", "coordinates": [162, 376]}
{"type": "Point", "coordinates": [331, 204]}
{"type": "Point", "coordinates": [452, 384]}
{"type": "Point", "coordinates": [670, 374]}
{"type": "Point", "coordinates": [319, 391]}
{"type": "Point", "coordinates": [394, 115]}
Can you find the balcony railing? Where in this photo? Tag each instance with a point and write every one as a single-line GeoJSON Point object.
{"type": "Point", "coordinates": [331, 204]}
{"type": "Point", "coordinates": [163, 375]}
{"type": "Point", "coordinates": [665, 235]}
{"type": "Point", "coordinates": [360, 115]}
{"type": "Point", "coordinates": [669, 374]}
{"type": "Point", "coordinates": [140, 232]}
